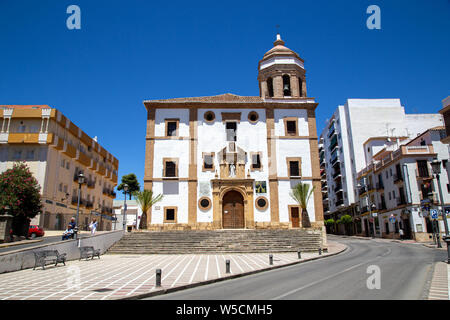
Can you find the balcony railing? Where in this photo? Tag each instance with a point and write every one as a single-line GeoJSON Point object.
{"type": "Point", "coordinates": [380, 186]}
{"type": "Point", "coordinates": [382, 206]}
{"type": "Point", "coordinates": [339, 202]}
{"type": "Point", "coordinates": [362, 190]}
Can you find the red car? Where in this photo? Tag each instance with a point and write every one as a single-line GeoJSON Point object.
{"type": "Point", "coordinates": [35, 231]}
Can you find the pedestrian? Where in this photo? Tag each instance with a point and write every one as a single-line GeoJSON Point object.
{"type": "Point", "coordinates": [401, 233]}
{"type": "Point", "coordinates": [93, 226]}
{"type": "Point", "coordinates": [68, 233]}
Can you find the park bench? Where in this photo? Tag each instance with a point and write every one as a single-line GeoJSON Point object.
{"type": "Point", "coordinates": [41, 258]}
{"type": "Point", "coordinates": [86, 252]}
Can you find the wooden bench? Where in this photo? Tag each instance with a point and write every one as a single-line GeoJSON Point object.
{"type": "Point", "coordinates": [41, 258]}
{"type": "Point", "coordinates": [86, 252]}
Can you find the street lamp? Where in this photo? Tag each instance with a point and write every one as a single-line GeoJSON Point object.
{"type": "Point", "coordinates": [436, 167]}
{"type": "Point", "coordinates": [81, 180]}
{"type": "Point", "coordinates": [125, 188]}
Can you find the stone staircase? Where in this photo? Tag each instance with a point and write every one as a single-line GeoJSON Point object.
{"type": "Point", "coordinates": [218, 241]}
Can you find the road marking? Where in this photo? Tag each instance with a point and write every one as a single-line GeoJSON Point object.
{"type": "Point", "coordinates": [329, 277]}
{"type": "Point", "coordinates": [195, 270]}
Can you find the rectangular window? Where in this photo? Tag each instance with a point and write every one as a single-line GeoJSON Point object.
{"type": "Point", "coordinates": [17, 155]}
{"type": "Point", "coordinates": [208, 161]}
{"type": "Point", "coordinates": [231, 128]}
{"type": "Point", "coordinates": [30, 155]}
{"type": "Point", "coordinates": [294, 167]}
{"type": "Point", "coordinates": [170, 167]}
{"type": "Point", "coordinates": [291, 125]}
{"type": "Point", "coordinates": [63, 163]}
{"type": "Point", "coordinates": [256, 161]}
{"type": "Point", "coordinates": [422, 167]}
{"type": "Point", "coordinates": [170, 214]}
{"type": "Point", "coordinates": [172, 127]}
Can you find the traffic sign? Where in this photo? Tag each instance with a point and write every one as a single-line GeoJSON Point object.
{"type": "Point", "coordinates": [434, 213]}
{"type": "Point", "coordinates": [392, 218]}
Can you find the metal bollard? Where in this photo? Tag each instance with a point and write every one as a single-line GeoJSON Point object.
{"type": "Point", "coordinates": [320, 251]}
{"type": "Point", "coordinates": [299, 254]}
{"type": "Point", "coordinates": [227, 266]}
{"type": "Point", "coordinates": [270, 259]}
{"type": "Point", "coordinates": [158, 277]}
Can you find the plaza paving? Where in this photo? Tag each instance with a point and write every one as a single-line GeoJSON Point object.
{"type": "Point", "coordinates": [128, 276]}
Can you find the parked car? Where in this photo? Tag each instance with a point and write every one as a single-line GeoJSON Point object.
{"type": "Point", "coordinates": [35, 231]}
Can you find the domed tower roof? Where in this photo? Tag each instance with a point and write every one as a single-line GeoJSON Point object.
{"type": "Point", "coordinates": [279, 50]}
{"type": "Point", "coordinates": [281, 73]}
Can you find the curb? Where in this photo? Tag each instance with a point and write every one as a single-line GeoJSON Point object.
{"type": "Point", "coordinates": [198, 284]}
{"type": "Point", "coordinates": [18, 243]}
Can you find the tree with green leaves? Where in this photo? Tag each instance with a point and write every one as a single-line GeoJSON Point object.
{"type": "Point", "coordinates": [330, 224]}
{"type": "Point", "coordinates": [20, 197]}
{"type": "Point", "coordinates": [145, 200]}
{"type": "Point", "coordinates": [301, 194]}
{"type": "Point", "coordinates": [132, 182]}
{"type": "Point", "coordinates": [346, 220]}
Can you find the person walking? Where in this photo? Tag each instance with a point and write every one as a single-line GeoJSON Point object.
{"type": "Point", "coordinates": [401, 233]}
{"type": "Point", "coordinates": [93, 226]}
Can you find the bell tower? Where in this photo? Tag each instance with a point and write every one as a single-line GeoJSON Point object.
{"type": "Point", "coordinates": [281, 73]}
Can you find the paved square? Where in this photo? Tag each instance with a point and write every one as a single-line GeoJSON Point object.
{"type": "Point", "coordinates": [122, 276]}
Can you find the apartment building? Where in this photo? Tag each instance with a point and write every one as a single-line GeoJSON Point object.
{"type": "Point", "coordinates": [399, 183]}
{"type": "Point", "coordinates": [56, 151]}
{"type": "Point", "coordinates": [341, 145]}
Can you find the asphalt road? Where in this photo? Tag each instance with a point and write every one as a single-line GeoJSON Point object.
{"type": "Point", "coordinates": [45, 240]}
{"type": "Point", "coordinates": [405, 273]}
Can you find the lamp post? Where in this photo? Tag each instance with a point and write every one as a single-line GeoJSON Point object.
{"type": "Point", "coordinates": [81, 180]}
{"type": "Point", "coordinates": [125, 188]}
{"type": "Point", "coordinates": [436, 167]}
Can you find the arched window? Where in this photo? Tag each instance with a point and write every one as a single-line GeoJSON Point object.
{"type": "Point", "coordinates": [286, 86]}
{"type": "Point", "coordinates": [300, 85]}
{"type": "Point", "coordinates": [270, 86]}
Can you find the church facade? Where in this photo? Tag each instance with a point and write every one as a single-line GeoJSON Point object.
{"type": "Point", "coordinates": [229, 161]}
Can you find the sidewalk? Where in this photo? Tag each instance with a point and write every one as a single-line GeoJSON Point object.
{"type": "Point", "coordinates": [426, 244]}
{"type": "Point", "coordinates": [440, 283]}
{"type": "Point", "coordinates": [132, 276]}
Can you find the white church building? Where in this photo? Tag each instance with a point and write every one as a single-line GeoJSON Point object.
{"type": "Point", "coordinates": [229, 161]}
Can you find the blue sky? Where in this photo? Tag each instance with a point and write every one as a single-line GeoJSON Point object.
{"type": "Point", "coordinates": [130, 51]}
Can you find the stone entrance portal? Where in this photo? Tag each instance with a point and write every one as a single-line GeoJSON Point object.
{"type": "Point", "coordinates": [233, 210]}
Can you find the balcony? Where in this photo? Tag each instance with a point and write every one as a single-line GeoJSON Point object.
{"type": "Point", "coordinates": [362, 190]}
{"type": "Point", "coordinates": [89, 204]}
{"type": "Point", "coordinates": [338, 187]}
{"type": "Point", "coordinates": [331, 131]}
{"type": "Point", "coordinates": [335, 159]}
{"type": "Point", "coordinates": [398, 178]}
{"type": "Point", "coordinates": [339, 202]}
{"type": "Point", "coordinates": [380, 186]}
{"type": "Point", "coordinates": [336, 174]}
{"type": "Point", "coordinates": [91, 184]}
{"type": "Point", "coordinates": [364, 209]}
{"type": "Point", "coordinates": [382, 206]}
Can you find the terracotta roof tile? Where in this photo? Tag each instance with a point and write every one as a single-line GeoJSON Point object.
{"type": "Point", "coordinates": [222, 98]}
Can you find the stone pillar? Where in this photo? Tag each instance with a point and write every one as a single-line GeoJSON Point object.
{"type": "Point", "coordinates": [149, 157]}
{"type": "Point", "coordinates": [5, 227]}
{"type": "Point", "coordinates": [294, 86]}
{"type": "Point", "coordinates": [278, 86]}
{"type": "Point", "coordinates": [192, 184]}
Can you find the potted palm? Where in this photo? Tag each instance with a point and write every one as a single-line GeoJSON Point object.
{"type": "Point", "coordinates": [301, 194]}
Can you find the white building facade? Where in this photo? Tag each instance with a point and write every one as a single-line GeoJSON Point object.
{"type": "Point", "coordinates": [401, 189]}
{"type": "Point", "coordinates": [230, 161]}
{"type": "Point", "coordinates": [341, 145]}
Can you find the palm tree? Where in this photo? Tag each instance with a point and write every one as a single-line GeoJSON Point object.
{"type": "Point", "coordinates": [301, 194]}
{"type": "Point", "coordinates": [146, 200]}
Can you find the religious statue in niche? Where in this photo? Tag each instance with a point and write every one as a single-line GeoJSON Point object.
{"type": "Point", "coordinates": [232, 170]}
